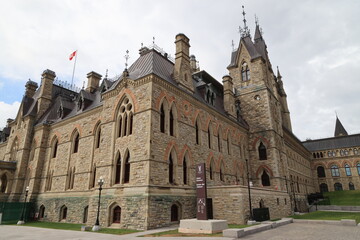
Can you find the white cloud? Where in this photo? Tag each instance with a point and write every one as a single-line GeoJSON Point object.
{"type": "Point", "coordinates": [8, 111]}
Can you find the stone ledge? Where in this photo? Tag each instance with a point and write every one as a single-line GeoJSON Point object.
{"type": "Point", "coordinates": [343, 222]}
{"type": "Point", "coordinates": [202, 226]}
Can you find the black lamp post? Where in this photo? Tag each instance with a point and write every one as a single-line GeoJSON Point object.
{"type": "Point", "coordinates": [22, 218]}
{"type": "Point", "coordinates": [248, 183]}
{"type": "Point", "coordinates": [96, 227]}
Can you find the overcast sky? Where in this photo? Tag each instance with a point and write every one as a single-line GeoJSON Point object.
{"type": "Point", "coordinates": [316, 44]}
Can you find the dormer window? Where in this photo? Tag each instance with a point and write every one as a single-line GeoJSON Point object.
{"type": "Point", "coordinates": [80, 103]}
{"type": "Point", "coordinates": [210, 97]}
{"type": "Point", "coordinates": [245, 72]}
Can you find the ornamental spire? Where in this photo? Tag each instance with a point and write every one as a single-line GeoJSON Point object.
{"type": "Point", "coordinates": [244, 31]}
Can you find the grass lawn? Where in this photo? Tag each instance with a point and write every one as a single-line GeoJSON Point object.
{"type": "Point", "coordinates": [76, 227]}
{"type": "Point", "coordinates": [342, 198]}
{"type": "Point", "coordinates": [322, 215]}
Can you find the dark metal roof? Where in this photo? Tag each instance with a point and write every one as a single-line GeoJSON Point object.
{"type": "Point", "coordinates": [333, 143]}
{"type": "Point", "coordinates": [339, 129]}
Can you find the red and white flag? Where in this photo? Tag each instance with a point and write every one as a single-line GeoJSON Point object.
{"type": "Point", "coordinates": [72, 55]}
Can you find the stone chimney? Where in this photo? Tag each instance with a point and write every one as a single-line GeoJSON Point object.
{"type": "Point", "coordinates": [229, 98]}
{"type": "Point", "coordinates": [193, 64]}
{"type": "Point", "coordinates": [93, 81]}
{"type": "Point", "coordinates": [45, 96]}
{"type": "Point", "coordinates": [182, 70]}
{"type": "Point", "coordinates": [31, 87]}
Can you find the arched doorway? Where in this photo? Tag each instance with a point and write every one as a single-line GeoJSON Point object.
{"type": "Point", "coordinates": [116, 215]}
{"type": "Point", "coordinates": [175, 213]}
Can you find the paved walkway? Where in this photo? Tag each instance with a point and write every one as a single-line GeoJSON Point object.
{"type": "Point", "coordinates": [294, 231]}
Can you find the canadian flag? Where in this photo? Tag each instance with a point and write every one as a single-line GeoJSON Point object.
{"type": "Point", "coordinates": [72, 55]}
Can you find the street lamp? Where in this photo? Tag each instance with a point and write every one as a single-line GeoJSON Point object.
{"type": "Point", "coordinates": [96, 227]}
{"type": "Point", "coordinates": [22, 218]}
{"type": "Point", "coordinates": [248, 183]}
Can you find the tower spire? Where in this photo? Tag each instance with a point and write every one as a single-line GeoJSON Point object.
{"type": "Point", "coordinates": [339, 128]}
{"type": "Point", "coordinates": [278, 73]}
{"type": "Point", "coordinates": [244, 31]}
{"type": "Point", "coordinates": [258, 30]}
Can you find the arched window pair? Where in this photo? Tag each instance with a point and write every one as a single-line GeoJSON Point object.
{"type": "Point", "coordinates": [245, 72]}
{"type": "Point", "coordinates": [125, 118]}
{"type": "Point", "coordinates": [119, 175]}
{"type": "Point", "coordinates": [221, 171]}
{"type": "Point", "coordinates": [168, 116]}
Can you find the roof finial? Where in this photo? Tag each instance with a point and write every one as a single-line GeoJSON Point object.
{"type": "Point", "coordinates": [142, 45]}
{"type": "Point", "coordinates": [256, 20]}
{"type": "Point", "coordinates": [232, 44]}
{"type": "Point", "coordinates": [106, 74]}
{"type": "Point", "coordinates": [153, 40]}
{"type": "Point", "coordinates": [278, 73]}
{"type": "Point", "coordinates": [126, 58]}
{"type": "Point", "coordinates": [245, 32]}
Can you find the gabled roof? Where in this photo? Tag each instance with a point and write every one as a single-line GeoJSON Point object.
{"type": "Point", "coordinates": [333, 143]}
{"type": "Point", "coordinates": [339, 129]}
{"type": "Point", "coordinates": [250, 47]}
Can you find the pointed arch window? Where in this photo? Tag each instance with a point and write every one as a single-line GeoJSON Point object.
{"type": "Point", "coordinates": [171, 123]}
{"type": "Point", "coordinates": [98, 136]}
{"type": "Point", "coordinates": [171, 170]}
{"type": "Point", "coordinates": [209, 136]}
{"type": "Point", "coordinates": [185, 172]}
{"type": "Point", "coordinates": [127, 169]}
{"type": "Point", "coordinates": [125, 118]}
{"type": "Point", "coordinates": [118, 169]}
{"type": "Point", "coordinates": [41, 212]}
{"type": "Point", "coordinates": [347, 170]}
{"type": "Point", "coordinates": [63, 212]}
{"type": "Point", "coordinates": [245, 72]}
{"type": "Point", "coordinates": [197, 132]}
{"type": "Point", "coordinates": [54, 148]}
{"type": "Point", "coordinates": [335, 171]}
{"type": "Point", "coordinates": [162, 119]}
{"type": "Point", "coordinates": [76, 143]}
{"type": "Point", "coordinates": [93, 177]}
{"type": "Point", "coordinates": [228, 144]}
{"type": "Point", "coordinates": [219, 140]}
{"type": "Point", "coordinates": [265, 179]}
{"type": "Point", "coordinates": [85, 214]}
{"type": "Point", "coordinates": [117, 215]}
{"type": "Point", "coordinates": [262, 151]}
{"type": "Point", "coordinates": [174, 213]}
{"type": "Point", "coordinates": [321, 172]}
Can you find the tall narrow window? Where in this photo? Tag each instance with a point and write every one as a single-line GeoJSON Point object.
{"type": "Point", "coordinates": [228, 144]}
{"type": "Point", "coordinates": [119, 126]}
{"type": "Point", "coordinates": [131, 119]}
{"type": "Point", "coordinates": [219, 141]}
{"type": "Point", "coordinates": [174, 213]}
{"type": "Point", "coordinates": [118, 170]}
{"type": "Point", "coordinates": [171, 170]}
{"type": "Point", "coordinates": [185, 177]}
{"type": "Point", "coordinates": [76, 143]}
{"type": "Point", "coordinates": [211, 170]}
{"type": "Point", "coordinates": [63, 212]}
{"type": "Point", "coordinates": [209, 137]}
{"type": "Point", "coordinates": [222, 173]}
{"type": "Point", "coordinates": [335, 171]}
{"type": "Point", "coordinates": [262, 151]}
{"type": "Point", "coordinates": [347, 170]}
{"type": "Point", "coordinates": [72, 178]}
{"type": "Point", "coordinates": [54, 151]}
{"type": "Point", "coordinates": [127, 169]}
{"type": "Point", "coordinates": [93, 179]}
{"type": "Point", "coordinates": [265, 179]}
{"type": "Point", "coordinates": [162, 119]}
{"type": "Point", "coordinates": [197, 132]}
{"type": "Point", "coordinates": [171, 123]}
{"type": "Point", "coordinates": [85, 214]}
{"type": "Point", "coordinates": [41, 212]}
{"type": "Point", "coordinates": [245, 72]}
{"type": "Point", "coordinates": [98, 137]}
{"type": "Point", "coordinates": [125, 124]}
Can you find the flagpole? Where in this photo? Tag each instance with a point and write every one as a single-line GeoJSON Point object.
{"type": "Point", "coordinates": [72, 79]}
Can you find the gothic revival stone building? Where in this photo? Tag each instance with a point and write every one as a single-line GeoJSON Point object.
{"type": "Point", "coordinates": [145, 131]}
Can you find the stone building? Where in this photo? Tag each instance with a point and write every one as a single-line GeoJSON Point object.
{"type": "Point", "coordinates": [144, 132]}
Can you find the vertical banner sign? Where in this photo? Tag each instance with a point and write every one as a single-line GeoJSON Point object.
{"type": "Point", "coordinates": [201, 213]}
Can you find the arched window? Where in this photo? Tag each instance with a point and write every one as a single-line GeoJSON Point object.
{"type": "Point", "coordinates": [351, 186]}
{"type": "Point", "coordinates": [98, 136]}
{"type": "Point", "coordinates": [118, 169]}
{"type": "Point", "coordinates": [219, 139]}
{"type": "Point", "coordinates": [335, 171]}
{"type": "Point", "coordinates": [262, 151]}
{"type": "Point", "coordinates": [3, 183]}
{"type": "Point", "coordinates": [245, 72]}
{"type": "Point", "coordinates": [171, 170]}
{"type": "Point", "coordinates": [162, 119]}
{"type": "Point", "coordinates": [117, 215]}
{"type": "Point", "coordinates": [172, 124]}
{"type": "Point", "coordinates": [347, 170]}
{"type": "Point", "coordinates": [320, 172]}
{"type": "Point", "coordinates": [197, 132]}
{"type": "Point", "coordinates": [314, 155]}
{"type": "Point", "coordinates": [63, 212]}
{"type": "Point", "coordinates": [54, 148]}
{"type": "Point", "coordinates": [185, 172]}
{"type": "Point", "coordinates": [338, 186]}
{"type": "Point", "coordinates": [324, 188]}
{"type": "Point", "coordinates": [358, 168]}
{"type": "Point", "coordinates": [76, 142]}
{"type": "Point", "coordinates": [85, 214]}
{"type": "Point", "coordinates": [127, 169]}
{"type": "Point", "coordinates": [174, 213]}
{"type": "Point", "coordinates": [265, 179]}
{"type": "Point", "coordinates": [41, 212]}
{"type": "Point", "coordinates": [209, 135]}
{"type": "Point", "coordinates": [125, 118]}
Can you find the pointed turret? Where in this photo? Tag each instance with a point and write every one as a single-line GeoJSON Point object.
{"type": "Point", "coordinates": [339, 129]}
{"type": "Point", "coordinates": [258, 36]}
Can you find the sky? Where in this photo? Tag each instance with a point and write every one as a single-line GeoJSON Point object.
{"type": "Point", "coordinates": [316, 45]}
